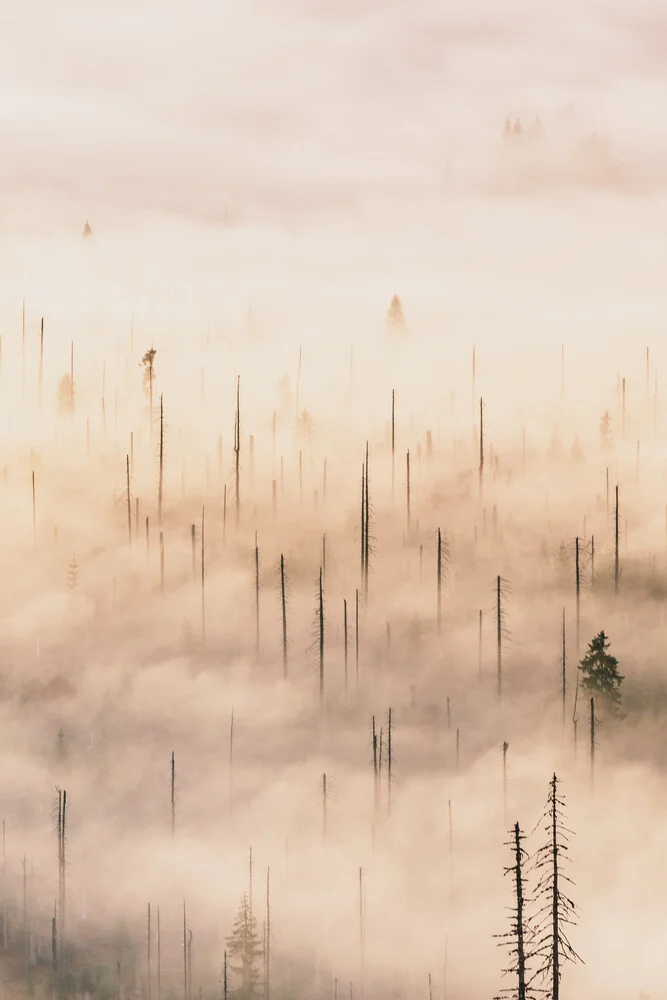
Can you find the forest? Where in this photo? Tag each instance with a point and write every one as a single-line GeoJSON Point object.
{"type": "Point", "coordinates": [334, 493]}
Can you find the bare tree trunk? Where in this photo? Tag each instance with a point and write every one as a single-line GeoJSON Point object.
{"type": "Point", "coordinates": [356, 634]}
{"type": "Point", "coordinates": [393, 440]}
{"type": "Point", "coordinates": [320, 617]}
{"type": "Point", "coordinates": [173, 794]}
{"type": "Point", "coordinates": [256, 595]}
{"type": "Point", "coordinates": [578, 588]}
{"type": "Point", "coordinates": [564, 673]}
{"type": "Point", "coordinates": [345, 638]}
{"type": "Point", "coordinates": [616, 565]}
{"type": "Point", "coordinates": [185, 956]}
{"type": "Point", "coordinates": [237, 448]}
{"type": "Point", "coordinates": [520, 945]}
{"type": "Point", "coordinates": [481, 448]}
{"type": "Point", "coordinates": [148, 952]}
{"type": "Point", "coordinates": [389, 763]}
{"type": "Point", "coordinates": [159, 957]}
{"type": "Point", "coordinates": [439, 581]}
{"type": "Point", "coordinates": [505, 749]}
{"type": "Point", "coordinates": [499, 632]}
{"type": "Point", "coordinates": [161, 472]}
{"type": "Point", "coordinates": [129, 499]}
{"type": "Point", "coordinates": [41, 364]}
{"type": "Point", "coordinates": [283, 604]}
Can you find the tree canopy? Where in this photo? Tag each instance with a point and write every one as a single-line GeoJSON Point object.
{"type": "Point", "coordinates": [599, 672]}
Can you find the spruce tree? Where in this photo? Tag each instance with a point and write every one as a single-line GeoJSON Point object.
{"type": "Point", "coordinates": [244, 951]}
{"type": "Point", "coordinates": [599, 673]}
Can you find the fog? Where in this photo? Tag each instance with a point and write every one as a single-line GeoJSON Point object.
{"type": "Point", "coordinates": [260, 181]}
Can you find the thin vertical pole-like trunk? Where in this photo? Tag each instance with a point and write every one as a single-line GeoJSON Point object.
{"type": "Point", "coordinates": [375, 764]}
{"type": "Point", "coordinates": [592, 739]}
{"type": "Point", "coordinates": [256, 594]}
{"type": "Point", "coordinates": [63, 879]}
{"type": "Point", "coordinates": [389, 763]}
{"type": "Point", "coordinates": [173, 793]}
{"type": "Point", "coordinates": [505, 749]}
{"type": "Point", "coordinates": [150, 400]}
{"type": "Point", "coordinates": [578, 588]}
{"type": "Point", "coordinates": [324, 806]}
{"type": "Point", "coordinates": [203, 581]}
{"type": "Point", "coordinates": [129, 499]}
{"type": "Point", "coordinates": [555, 929]}
{"type": "Point", "coordinates": [237, 449]}
{"type": "Point", "coordinates": [563, 669]}
{"type": "Point", "coordinates": [159, 957]}
{"type": "Point", "coordinates": [41, 364]}
{"type": "Point", "coordinates": [320, 617]}
{"type": "Point", "coordinates": [193, 550]}
{"type": "Point", "coordinates": [4, 885]}
{"type": "Point", "coordinates": [393, 440]}
{"type": "Point", "coordinates": [481, 448]}
{"type": "Point", "coordinates": [283, 605]}
{"type": "Point", "coordinates": [356, 634]}
{"type": "Point", "coordinates": [185, 955]}
{"type": "Point", "coordinates": [160, 484]}
{"type": "Point", "coordinates": [34, 511]}
{"type": "Point", "coordinates": [26, 934]}
{"type": "Point", "coordinates": [616, 565]}
{"type": "Point", "coordinates": [520, 941]}
{"type": "Point", "coordinates": [345, 635]}
{"type": "Point", "coordinates": [324, 559]}
{"type": "Point", "coordinates": [363, 520]}
{"type": "Point", "coordinates": [368, 526]}
{"type": "Point", "coordinates": [268, 935]}
{"type": "Point", "coordinates": [479, 645]}
{"type": "Point", "coordinates": [499, 636]}
{"type": "Point", "coordinates": [407, 490]}
{"type": "Point", "coordinates": [623, 422]}
{"type": "Point", "coordinates": [148, 952]}
{"type": "Point", "coordinates": [439, 581]}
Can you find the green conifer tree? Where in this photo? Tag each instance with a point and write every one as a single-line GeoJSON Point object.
{"type": "Point", "coordinates": [599, 673]}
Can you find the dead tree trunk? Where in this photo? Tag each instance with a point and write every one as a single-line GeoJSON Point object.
{"type": "Point", "coordinates": [283, 605]}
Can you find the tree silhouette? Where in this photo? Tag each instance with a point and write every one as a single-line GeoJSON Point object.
{"type": "Point", "coordinates": [557, 912]}
{"type": "Point", "coordinates": [605, 431]}
{"type": "Point", "coordinates": [244, 951]}
{"type": "Point", "coordinates": [599, 673]}
{"type": "Point", "coordinates": [518, 939]}
{"type": "Point", "coordinates": [87, 231]}
{"type": "Point", "coordinates": [395, 317]}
